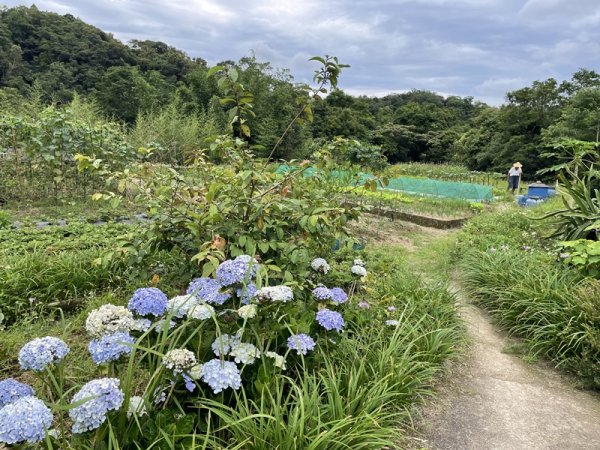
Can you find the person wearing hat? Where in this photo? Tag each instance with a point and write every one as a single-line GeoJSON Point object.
{"type": "Point", "coordinates": [514, 176]}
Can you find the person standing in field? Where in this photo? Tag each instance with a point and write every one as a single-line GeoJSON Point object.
{"type": "Point", "coordinates": [514, 176]}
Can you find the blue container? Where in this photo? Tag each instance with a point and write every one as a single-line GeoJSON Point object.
{"type": "Point", "coordinates": [533, 202]}
{"type": "Point", "coordinates": [521, 199]}
{"type": "Point", "coordinates": [539, 191]}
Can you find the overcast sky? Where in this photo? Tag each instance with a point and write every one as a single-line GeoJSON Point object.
{"type": "Point", "coordinates": [480, 48]}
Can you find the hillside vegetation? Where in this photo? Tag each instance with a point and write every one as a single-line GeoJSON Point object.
{"type": "Point", "coordinates": [145, 84]}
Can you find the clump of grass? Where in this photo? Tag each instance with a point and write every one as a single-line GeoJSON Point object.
{"type": "Point", "coordinates": [532, 295]}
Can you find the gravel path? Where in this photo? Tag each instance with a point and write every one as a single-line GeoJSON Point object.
{"type": "Point", "coordinates": [498, 401]}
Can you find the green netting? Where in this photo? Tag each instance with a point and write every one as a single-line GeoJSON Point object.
{"type": "Point", "coordinates": [410, 185]}
{"type": "Point", "coordinates": [436, 188]}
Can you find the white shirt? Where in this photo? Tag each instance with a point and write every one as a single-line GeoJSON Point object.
{"type": "Point", "coordinates": [514, 172]}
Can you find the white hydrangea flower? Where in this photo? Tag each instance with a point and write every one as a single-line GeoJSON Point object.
{"type": "Point", "coordinates": [179, 359]}
{"type": "Point", "coordinates": [222, 344]}
{"type": "Point", "coordinates": [109, 319]}
{"type": "Point", "coordinates": [201, 311]}
{"type": "Point", "coordinates": [275, 293]}
{"type": "Point", "coordinates": [359, 270]}
{"type": "Point", "coordinates": [320, 265]}
{"type": "Point", "coordinates": [136, 406]}
{"type": "Point", "coordinates": [196, 371]}
{"type": "Point", "coordinates": [248, 311]}
{"type": "Point", "coordinates": [359, 262]}
{"type": "Point", "coordinates": [161, 323]}
{"type": "Point", "coordinates": [180, 305]}
{"type": "Point", "coordinates": [142, 325]}
{"type": "Point", "coordinates": [244, 353]}
{"type": "Point", "coordinates": [279, 360]}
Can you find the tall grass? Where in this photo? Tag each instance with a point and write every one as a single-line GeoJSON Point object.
{"type": "Point", "coordinates": [534, 296]}
{"type": "Point", "coordinates": [177, 135]}
{"type": "Point", "coordinates": [356, 399]}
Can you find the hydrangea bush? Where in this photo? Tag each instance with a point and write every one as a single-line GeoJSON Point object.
{"type": "Point", "coordinates": [162, 353]}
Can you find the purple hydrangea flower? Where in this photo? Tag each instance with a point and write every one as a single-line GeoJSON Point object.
{"type": "Point", "coordinates": [148, 301]}
{"type": "Point", "coordinates": [391, 308]}
{"type": "Point", "coordinates": [322, 293]}
{"type": "Point", "coordinates": [41, 352]}
{"type": "Point", "coordinates": [330, 320]}
{"type": "Point", "coordinates": [12, 390]}
{"type": "Point", "coordinates": [338, 295]}
{"type": "Point", "coordinates": [104, 395]}
{"type": "Point", "coordinates": [207, 290]}
{"type": "Point", "coordinates": [25, 420]}
{"type": "Point", "coordinates": [220, 375]}
{"type": "Point", "coordinates": [110, 347]}
{"type": "Point", "coordinates": [364, 305]}
{"type": "Point", "coordinates": [302, 343]}
{"type": "Point", "coordinates": [246, 293]}
{"type": "Point", "coordinates": [237, 270]}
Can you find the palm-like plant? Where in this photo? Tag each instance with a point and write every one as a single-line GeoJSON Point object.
{"type": "Point", "coordinates": [581, 212]}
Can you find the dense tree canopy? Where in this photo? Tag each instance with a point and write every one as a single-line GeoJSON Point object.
{"type": "Point", "coordinates": [53, 57]}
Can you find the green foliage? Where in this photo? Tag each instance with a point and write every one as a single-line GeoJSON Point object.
{"type": "Point", "coordinates": [176, 136]}
{"type": "Point", "coordinates": [581, 208]}
{"type": "Point", "coordinates": [56, 266]}
{"type": "Point", "coordinates": [40, 152]}
{"type": "Point", "coordinates": [542, 302]}
{"type": "Point", "coordinates": [584, 255]}
{"type": "Point", "coordinates": [252, 210]}
{"type": "Point", "coordinates": [573, 156]}
{"type": "Point", "coordinates": [5, 220]}
{"type": "Point", "coordinates": [516, 276]}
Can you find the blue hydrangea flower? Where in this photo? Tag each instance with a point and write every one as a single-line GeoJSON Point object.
{"type": "Point", "coordinates": [220, 375]}
{"type": "Point", "coordinates": [110, 347]}
{"type": "Point", "coordinates": [25, 420]}
{"type": "Point", "coordinates": [148, 301]}
{"type": "Point", "coordinates": [222, 344]}
{"type": "Point", "coordinates": [41, 352]}
{"type": "Point", "coordinates": [208, 290]}
{"type": "Point", "coordinates": [12, 390]}
{"type": "Point", "coordinates": [142, 325]}
{"type": "Point", "coordinates": [330, 320]}
{"type": "Point", "coordinates": [338, 295]}
{"type": "Point", "coordinates": [322, 293]}
{"type": "Point", "coordinates": [302, 343]}
{"type": "Point", "coordinates": [104, 395]}
{"type": "Point", "coordinates": [237, 270]}
{"type": "Point", "coordinates": [246, 293]}
{"type": "Point", "coordinates": [159, 326]}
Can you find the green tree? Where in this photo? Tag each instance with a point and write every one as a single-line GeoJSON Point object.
{"type": "Point", "coordinates": [123, 92]}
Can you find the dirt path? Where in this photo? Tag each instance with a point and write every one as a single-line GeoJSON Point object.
{"type": "Point", "coordinates": [498, 401]}
{"type": "Point", "coordinates": [490, 399]}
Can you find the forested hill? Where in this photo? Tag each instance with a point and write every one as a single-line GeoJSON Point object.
{"type": "Point", "coordinates": [54, 57]}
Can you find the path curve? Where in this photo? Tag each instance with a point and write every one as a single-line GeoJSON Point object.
{"type": "Point", "coordinates": [498, 401]}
